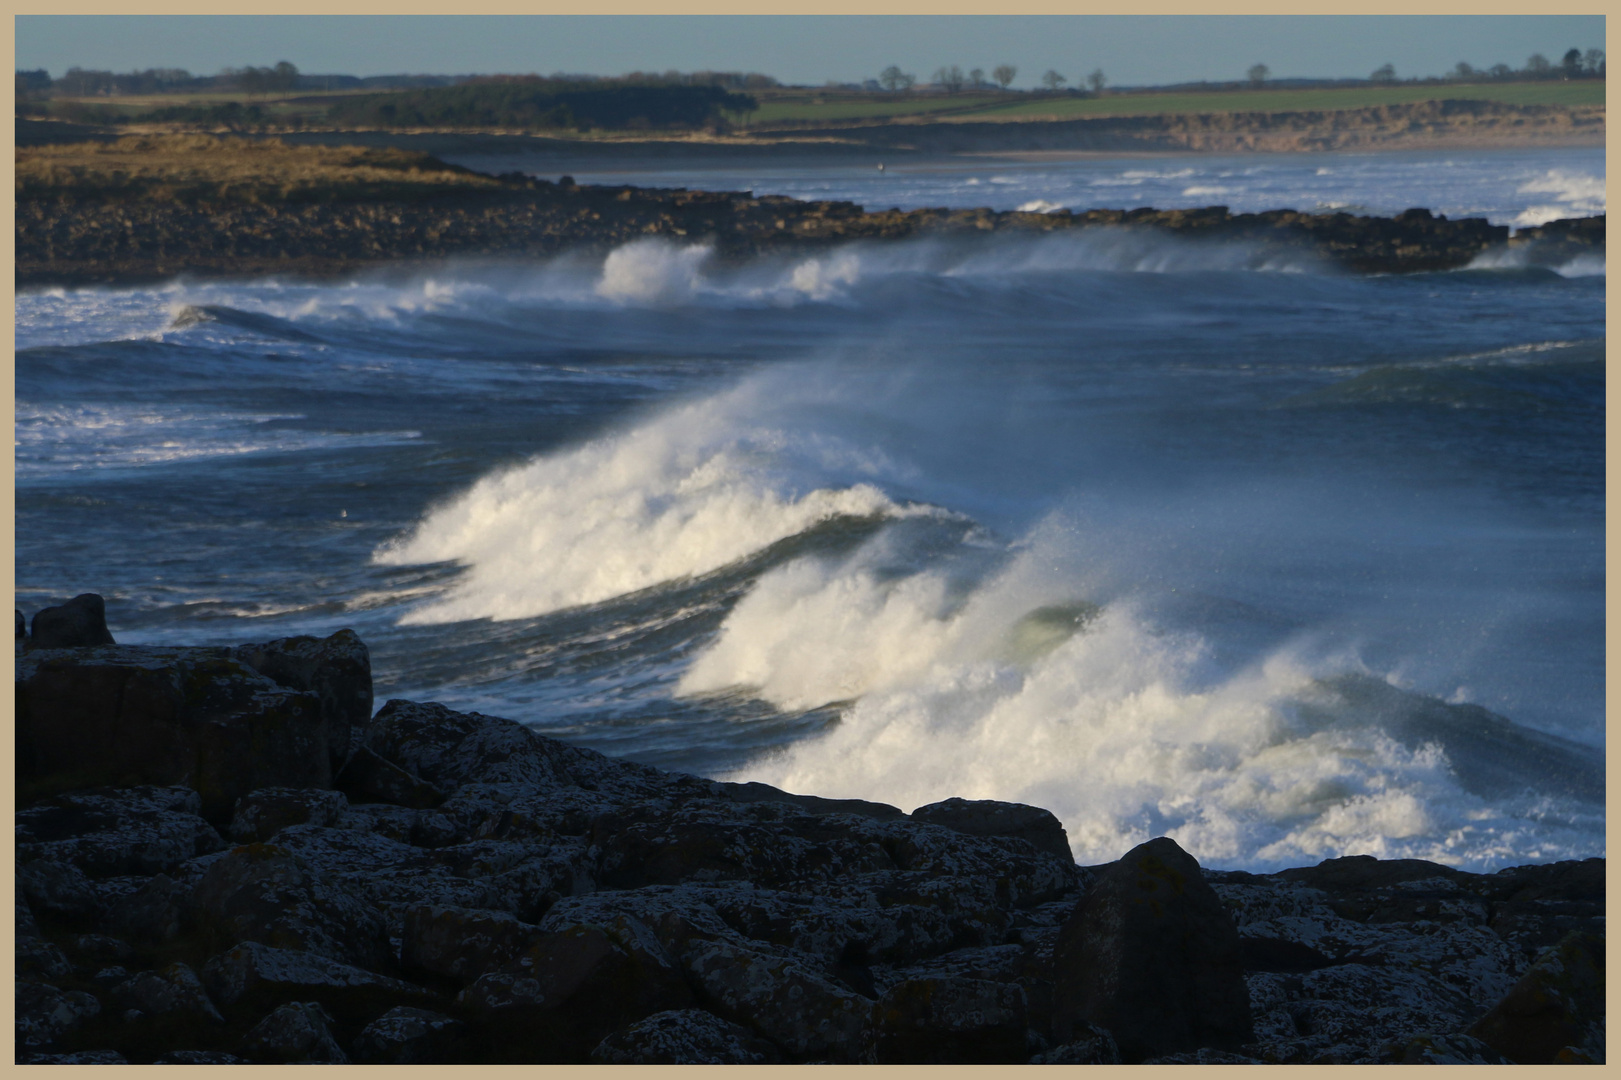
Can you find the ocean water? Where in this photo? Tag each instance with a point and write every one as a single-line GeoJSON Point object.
{"type": "Point", "coordinates": [1283, 562]}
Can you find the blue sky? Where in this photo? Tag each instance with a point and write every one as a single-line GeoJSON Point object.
{"type": "Point", "coordinates": [1132, 50]}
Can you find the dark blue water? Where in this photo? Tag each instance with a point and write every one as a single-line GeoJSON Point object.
{"type": "Point", "coordinates": [1283, 562]}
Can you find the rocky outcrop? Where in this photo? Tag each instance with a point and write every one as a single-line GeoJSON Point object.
{"type": "Point", "coordinates": [207, 718]}
{"type": "Point", "coordinates": [556, 905]}
{"type": "Point", "coordinates": [80, 621]}
{"type": "Point", "coordinates": [83, 237]}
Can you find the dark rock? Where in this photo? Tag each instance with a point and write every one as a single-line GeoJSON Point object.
{"type": "Point", "coordinates": [156, 912]}
{"type": "Point", "coordinates": [79, 1057]}
{"type": "Point", "coordinates": [369, 777]}
{"type": "Point", "coordinates": [57, 889]}
{"type": "Point", "coordinates": [44, 1013]}
{"type": "Point", "coordinates": [122, 715]}
{"type": "Point", "coordinates": [449, 749]}
{"type": "Point", "coordinates": [22, 626]}
{"type": "Point", "coordinates": [1450, 1049]}
{"type": "Point", "coordinates": [80, 622]}
{"type": "Point", "coordinates": [986, 817]}
{"type": "Point", "coordinates": [462, 943]}
{"type": "Point", "coordinates": [141, 830]}
{"type": "Point", "coordinates": [949, 1021]}
{"type": "Point", "coordinates": [253, 976]}
{"type": "Point", "coordinates": [574, 986]}
{"type": "Point", "coordinates": [1205, 1056]}
{"type": "Point", "coordinates": [40, 961]}
{"type": "Point", "coordinates": [1359, 873]}
{"type": "Point", "coordinates": [200, 1057]}
{"type": "Point", "coordinates": [684, 1037]}
{"type": "Point", "coordinates": [1151, 955]}
{"type": "Point", "coordinates": [101, 948]}
{"type": "Point", "coordinates": [1277, 954]}
{"type": "Point", "coordinates": [409, 1036]}
{"type": "Point", "coordinates": [807, 1015]}
{"type": "Point", "coordinates": [26, 926]}
{"type": "Point", "coordinates": [173, 989]}
{"type": "Point", "coordinates": [298, 1033]}
{"type": "Point", "coordinates": [754, 791]}
{"type": "Point", "coordinates": [337, 669]}
{"type": "Point", "coordinates": [1556, 1011]}
{"type": "Point", "coordinates": [263, 893]}
{"type": "Point", "coordinates": [262, 814]}
{"type": "Point", "coordinates": [1088, 1045]}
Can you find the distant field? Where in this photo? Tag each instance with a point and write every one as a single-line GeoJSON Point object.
{"type": "Point", "coordinates": [814, 107]}
{"type": "Point", "coordinates": [1356, 97]}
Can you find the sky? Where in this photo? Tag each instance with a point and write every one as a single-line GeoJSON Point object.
{"type": "Point", "coordinates": [1131, 50]}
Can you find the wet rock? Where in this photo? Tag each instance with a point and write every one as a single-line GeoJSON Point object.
{"type": "Point", "coordinates": [125, 715]}
{"type": "Point", "coordinates": [105, 832]}
{"type": "Point", "coordinates": [1205, 1056]}
{"type": "Point", "coordinates": [409, 1036]}
{"type": "Point", "coordinates": [786, 1001]}
{"type": "Point", "coordinates": [986, 817]}
{"type": "Point", "coordinates": [1088, 1045]}
{"type": "Point", "coordinates": [261, 814]}
{"type": "Point", "coordinates": [1556, 1011]}
{"type": "Point", "coordinates": [298, 1033]}
{"type": "Point", "coordinates": [254, 976]}
{"type": "Point", "coordinates": [684, 1037]}
{"type": "Point", "coordinates": [448, 749]}
{"type": "Point", "coordinates": [462, 943]}
{"type": "Point", "coordinates": [25, 925]}
{"type": "Point", "coordinates": [263, 893]}
{"type": "Point", "coordinates": [369, 777]}
{"type": "Point", "coordinates": [44, 1013]}
{"type": "Point", "coordinates": [79, 623]}
{"type": "Point", "coordinates": [754, 791]}
{"type": "Point", "coordinates": [79, 1057]}
{"type": "Point", "coordinates": [101, 948]}
{"type": "Point", "coordinates": [22, 626]}
{"type": "Point", "coordinates": [936, 1021]}
{"type": "Point", "coordinates": [57, 889]}
{"type": "Point", "coordinates": [173, 989]}
{"type": "Point", "coordinates": [337, 669]}
{"type": "Point", "coordinates": [1151, 955]}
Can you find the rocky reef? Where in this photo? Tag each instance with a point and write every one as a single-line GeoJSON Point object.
{"type": "Point", "coordinates": [84, 220]}
{"type": "Point", "coordinates": [224, 856]}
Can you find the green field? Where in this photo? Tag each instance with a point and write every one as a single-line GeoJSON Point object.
{"type": "Point", "coordinates": [832, 108]}
{"type": "Point", "coordinates": [822, 108]}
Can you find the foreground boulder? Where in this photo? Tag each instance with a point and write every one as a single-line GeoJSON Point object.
{"type": "Point", "coordinates": [90, 712]}
{"type": "Point", "coordinates": [1152, 956]}
{"type": "Point", "coordinates": [1555, 1013]}
{"type": "Point", "coordinates": [81, 621]}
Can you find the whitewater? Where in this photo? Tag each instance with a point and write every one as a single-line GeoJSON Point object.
{"type": "Point", "coordinates": [1169, 538]}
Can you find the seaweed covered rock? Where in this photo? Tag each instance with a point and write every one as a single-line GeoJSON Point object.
{"type": "Point", "coordinates": [1555, 1013]}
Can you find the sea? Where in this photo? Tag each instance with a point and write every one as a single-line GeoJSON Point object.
{"type": "Point", "coordinates": [1168, 537]}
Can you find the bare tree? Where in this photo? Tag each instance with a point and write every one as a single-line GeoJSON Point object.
{"type": "Point", "coordinates": [1004, 74]}
{"type": "Point", "coordinates": [1052, 80]}
{"type": "Point", "coordinates": [1258, 74]}
{"type": "Point", "coordinates": [976, 78]}
{"type": "Point", "coordinates": [1572, 63]}
{"type": "Point", "coordinates": [1384, 74]}
{"type": "Point", "coordinates": [950, 78]}
{"type": "Point", "coordinates": [1537, 66]}
{"type": "Point", "coordinates": [1593, 61]}
{"type": "Point", "coordinates": [1097, 80]}
{"type": "Point", "coordinates": [893, 78]}
{"type": "Point", "coordinates": [1464, 70]}
{"type": "Point", "coordinates": [1501, 71]}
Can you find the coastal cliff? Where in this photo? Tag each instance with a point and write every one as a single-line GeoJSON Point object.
{"type": "Point", "coordinates": [144, 209]}
{"type": "Point", "coordinates": [423, 886]}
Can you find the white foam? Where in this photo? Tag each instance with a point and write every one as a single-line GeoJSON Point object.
{"type": "Point", "coordinates": [1123, 730]}
{"type": "Point", "coordinates": [1040, 206]}
{"type": "Point", "coordinates": [653, 272]}
{"type": "Point", "coordinates": [694, 489]}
